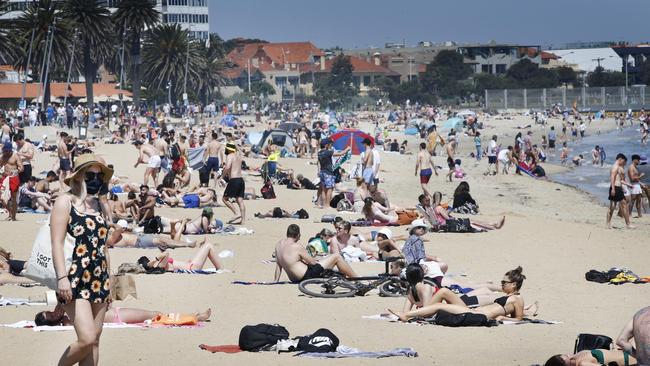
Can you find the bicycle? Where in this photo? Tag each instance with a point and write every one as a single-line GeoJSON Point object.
{"type": "Point", "coordinates": [335, 285]}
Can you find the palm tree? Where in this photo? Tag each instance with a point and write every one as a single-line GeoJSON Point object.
{"type": "Point", "coordinates": [166, 49]}
{"type": "Point", "coordinates": [135, 16]}
{"type": "Point", "coordinates": [43, 16]}
{"type": "Point", "coordinates": [92, 21]}
{"type": "Point", "coordinates": [7, 44]}
{"type": "Point", "coordinates": [215, 63]}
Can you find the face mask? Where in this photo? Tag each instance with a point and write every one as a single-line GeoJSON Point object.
{"type": "Point", "coordinates": [94, 185]}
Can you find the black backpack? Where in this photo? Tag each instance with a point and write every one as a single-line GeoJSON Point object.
{"type": "Point", "coordinates": [261, 337]}
{"type": "Point", "coordinates": [153, 225]}
{"type": "Point", "coordinates": [302, 214]}
{"type": "Point", "coordinates": [204, 176]}
{"type": "Point", "coordinates": [321, 341]}
{"type": "Point", "coordinates": [175, 152]}
{"type": "Point", "coordinates": [463, 320]}
{"type": "Point", "coordinates": [596, 276]}
{"type": "Point", "coordinates": [586, 341]}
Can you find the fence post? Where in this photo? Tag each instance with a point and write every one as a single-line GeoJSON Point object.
{"type": "Point", "coordinates": [602, 95]}
{"type": "Point", "coordinates": [564, 97]}
{"type": "Point", "coordinates": [505, 98]}
{"type": "Point", "coordinates": [643, 96]}
{"type": "Point", "coordinates": [623, 101]}
{"type": "Point", "coordinates": [544, 97]}
{"type": "Point", "coordinates": [584, 97]}
{"type": "Point", "coordinates": [486, 99]}
{"type": "Point", "coordinates": [525, 99]}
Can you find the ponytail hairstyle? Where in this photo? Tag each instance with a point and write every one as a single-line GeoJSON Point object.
{"type": "Point", "coordinates": [516, 276]}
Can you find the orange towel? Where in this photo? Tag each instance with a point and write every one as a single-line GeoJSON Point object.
{"type": "Point", "coordinates": [175, 319]}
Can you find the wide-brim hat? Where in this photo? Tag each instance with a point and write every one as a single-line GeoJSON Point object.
{"type": "Point", "coordinates": [418, 223]}
{"type": "Point", "coordinates": [84, 161]}
{"type": "Point", "coordinates": [386, 232]}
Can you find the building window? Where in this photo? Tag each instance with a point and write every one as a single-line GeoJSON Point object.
{"type": "Point", "coordinates": [486, 69]}
{"type": "Point", "coordinates": [501, 68]}
{"type": "Point", "coordinates": [366, 80]}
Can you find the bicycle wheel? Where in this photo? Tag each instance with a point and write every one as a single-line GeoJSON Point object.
{"type": "Point", "coordinates": [330, 288]}
{"type": "Point", "coordinates": [396, 287]}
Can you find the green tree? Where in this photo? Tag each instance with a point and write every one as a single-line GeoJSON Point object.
{"type": "Point", "coordinates": [214, 65]}
{"type": "Point", "coordinates": [338, 87]}
{"type": "Point", "coordinates": [412, 91]}
{"type": "Point", "coordinates": [445, 75]}
{"type": "Point", "coordinates": [381, 87]}
{"type": "Point", "coordinates": [527, 74]}
{"type": "Point", "coordinates": [92, 21]}
{"type": "Point", "coordinates": [599, 77]}
{"type": "Point", "coordinates": [262, 88]}
{"type": "Point", "coordinates": [135, 16]}
{"type": "Point", "coordinates": [8, 51]}
{"type": "Point", "coordinates": [165, 52]}
{"type": "Point", "coordinates": [567, 75]}
{"type": "Point", "coordinates": [43, 16]}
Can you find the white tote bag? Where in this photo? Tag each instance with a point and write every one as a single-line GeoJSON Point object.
{"type": "Point", "coordinates": [40, 266]}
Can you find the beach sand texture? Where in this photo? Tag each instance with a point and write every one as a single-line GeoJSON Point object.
{"type": "Point", "coordinates": [555, 232]}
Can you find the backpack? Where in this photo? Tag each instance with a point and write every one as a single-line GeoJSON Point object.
{"type": "Point", "coordinates": [463, 320]}
{"type": "Point", "coordinates": [344, 205]}
{"type": "Point", "coordinates": [321, 341]}
{"type": "Point", "coordinates": [302, 214]}
{"type": "Point", "coordinates": [458, 226]}
{"type": "Point", "coordinates": [267, 191]}
{"type": "Point", "coordinates": [153, 225]}
{"type": "Point", "coordinates": [586, 341]}
{"type": "Point", "coordinates": [261, 337]}
{"type": "Point", "coordinates": [596, 276]}
{"type": "Point", "coordinates": [175, 152]}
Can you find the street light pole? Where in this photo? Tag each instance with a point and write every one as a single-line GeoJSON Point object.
{"type": "Point", "coordinates": [29, 61]}
{"type": "Point", "coordinates": [122, 68]}
{"type": "Point", "coordinates": [47, 66]}
{"type": "Point", "coordinates": [67, 83]}
{"type": "Point", "coordinates": [187, 64]}
{"type": "Point", "coordinates": [40, 75]}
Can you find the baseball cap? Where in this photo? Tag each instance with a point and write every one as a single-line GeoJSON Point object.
{"type": "Point", "coordinates": [123, 224]}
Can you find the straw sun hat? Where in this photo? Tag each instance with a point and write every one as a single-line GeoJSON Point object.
{"type": "Point", "coordinates": [86, 160]}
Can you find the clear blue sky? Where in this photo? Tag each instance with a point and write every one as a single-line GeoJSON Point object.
{"type": "Point", "coordinates": [363, 23]}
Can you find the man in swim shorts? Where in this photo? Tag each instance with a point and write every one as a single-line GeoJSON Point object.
{"type": "Point", "coordinates": [426, 166]}
{"type": "Point", "coordinates": [616, 193]}
{"type": "Point", "coordinates": [368, 163]}
{"type": "Point", "coordinates": [292, 257]}
{"type": "Point", "coordinates": [214, 154]}
{"type": "Point", "coordinates": [635, 181]}
{"type": "Point", "coordinates": [65, 164]}
{"type": "Point", "coordinates": [148, 155]}
{"type": "Point", "coordinates": [236, 187]}
{"type": "Point", "coordinates": [12, 165]}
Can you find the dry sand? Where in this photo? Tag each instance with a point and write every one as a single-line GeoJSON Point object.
{"type": "Point", "coordinates": [556, 233]}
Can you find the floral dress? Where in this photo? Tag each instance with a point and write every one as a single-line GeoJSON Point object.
{"type": "Point", "coordinates": [88, 273]}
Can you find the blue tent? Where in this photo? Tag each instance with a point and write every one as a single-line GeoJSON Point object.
{"type": "Point", "coordinates": [228, 120]}
{"type": "Point", "coordinates": [454, 122]}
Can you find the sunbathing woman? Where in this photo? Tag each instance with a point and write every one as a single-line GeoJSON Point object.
{"type": "Point", "coordinates": [360, 194]}
{"type": "Point", "coordinates": [10, 270]}
{"type": "Point", "coordinates": [206, 252]}
{"type": "Point", "coordinates": [169, 196]}
{"type": "Point", "coordinates": [594, 357]}
{"type": "Point", "coordinates": [374, 212]}
{"type": "Point", "coordinates": [198, 226]}
{"type": "Point", "coordinates": [508, 307]}
{"type": "Point", "coordinates": [113, 315]}
{"type": "Point", "coordinates": [124, 238]}
{"type": "Point", "coordinates": [442, 216]}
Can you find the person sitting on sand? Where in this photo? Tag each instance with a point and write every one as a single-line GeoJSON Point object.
{"type": "Point", "coordinates": [442, 217]}
{"type": "Point", "coordinates": [360, 194]}
{"type": "Point", "coordinates": [124, 238]}
{"type": "Point", "coordinates": [463, 201]}
{"type": "Point", "coordinates": [615, 357]}
{"type": "Point", "coordinates": [119, 208]}
{"type": "Point", "coordinates": [205, 252]}
{"type": "Point", "coordinates": [413, 252]}
{"type": "Point", "coordinates": [639, 329]}
{"type": "Point", "coordinates": [114, 314]}
{"type": "Point", "coordinates": [508, 307]}
{"type": "Point", "coordinates": [375, 213]}
{"type": "Point", "coordinates": [292, 257]}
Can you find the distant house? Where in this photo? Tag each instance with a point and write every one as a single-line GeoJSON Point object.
{"type": "Point", "coordinates": [496, 58]}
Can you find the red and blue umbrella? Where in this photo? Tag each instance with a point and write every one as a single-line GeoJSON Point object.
{"type": "Point", "coordinates": [350, 138]}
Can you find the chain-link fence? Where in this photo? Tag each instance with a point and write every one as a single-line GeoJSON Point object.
{"type": "Point", "coordinates": [608, 98]}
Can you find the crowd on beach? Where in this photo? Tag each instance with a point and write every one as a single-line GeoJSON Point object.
{"type": "Point", "coordinates": [102, 209]}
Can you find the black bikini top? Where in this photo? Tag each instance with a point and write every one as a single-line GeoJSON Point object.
{"type": "Point", "coordinates": [501, 301]}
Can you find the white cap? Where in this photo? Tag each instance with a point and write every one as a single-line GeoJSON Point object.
{"type": "Point", "coordinates": [386, 232]}
{"type": "Point", "coordinates": [418, 223]}
{"type": "Point", "coordinates": [123, 224]}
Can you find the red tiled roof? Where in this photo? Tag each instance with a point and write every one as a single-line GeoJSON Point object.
{"type": "Point", "coordinates": [549, 56]}
{"type": "Point", "coordinates": [77, 90]}
{"type": "Point", "coordinates": [361, 66]}
{"type": "Point", "coordinates": [279, 54]}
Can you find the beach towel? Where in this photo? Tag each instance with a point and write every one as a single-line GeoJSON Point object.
{"type": "Point", "coordinates": [529, 321]}
{"type": "Point", "coordinates": [8, 301]}
{"type": "Point", "coordinates": [226, 348]}
{"type": "Point", "coordinates": [525, 169]}
{"type": "Point", "coordinates": [349, 352]}
{"type": "Point", "coordinates": [175, 319]}
{"type": "Point", "coordinates": [208, 271]}
{"type": "Point", "coordinates": [57, 328]}
{"type": "Point", "coordinates": [263, 283]}
{"type": "Point", "coordinates": [195, 156]}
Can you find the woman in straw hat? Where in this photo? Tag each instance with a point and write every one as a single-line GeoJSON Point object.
{"type": "Point", "coordinates": [83, 288]}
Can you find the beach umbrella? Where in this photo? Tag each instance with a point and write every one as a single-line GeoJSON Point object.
{"type": "Point", "coordinates": [290, 126]}
{"type": "Point", "coordinates": [454, 122]}
{"type": "Point", "coordinates": [352, 138]}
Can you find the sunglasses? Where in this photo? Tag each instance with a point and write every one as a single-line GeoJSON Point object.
{"type": "Point", "coordinates": [503, 283]}
{"type": "Point", "coordinates": [93, 175]}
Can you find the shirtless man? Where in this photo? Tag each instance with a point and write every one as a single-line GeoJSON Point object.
{"type": "Point", "coordinates": [425, 166]}
{"type": "Point", "coordinates": [368, 163]}
{"type": "Point", "coordinates": [236, 187]}
{"type": "Point", "coordinates": [451, 151]}
{"type": "Point", "coordinates": [5, 132]}
{"type": "Point", "coordinates": [146, 205]}
{"type": "Point", "coordinates": [635, 181]}
{"type": "Point", "coordinates": [213, 156]}
{"type": "Point", "coordinates": [564, 154]}
{"type": "Point", "coordinates": [65, 162]}
{"type": "Point", "coordinates": [163, 152]}
{"type": "Point", "coordinates": [343, 238]}
{"type": "Point", "coordinates": [12, 165]}
{"type": "Point", "coordinates": [595, 155]}
{"type": "Point", "coordinates": [148, 155]}
{"type": "Point", "coordinates": [616, 194]}
{"type": "Point", "coordinates": [639, 329]}
{"type": "Point", "coordinates": [26, 153]}
{"type": "Point", "coordinates": [43, 185]}
{"type": "Point", "coordinates": [292, 257]}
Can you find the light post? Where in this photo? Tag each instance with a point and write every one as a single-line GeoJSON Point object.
{"type": "Point", "coordinates": [23, 104]}
{"type": "Point", "coordinates": [169, 93]}
{"type": "Point", "coordinates": [67, 83]}
{"type": "Point", "coordinates": [122, 67]}
{"type": "Point", "coordinates": [187, 65]}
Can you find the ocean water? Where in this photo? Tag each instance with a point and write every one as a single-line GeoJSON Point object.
{"type": "Point", "coordinates": [595, 179]}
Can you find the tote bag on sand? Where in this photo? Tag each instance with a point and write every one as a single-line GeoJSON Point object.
{"type": "Point", "coordinates": [40, 267]}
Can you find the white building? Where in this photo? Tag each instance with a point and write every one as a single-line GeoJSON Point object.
{"type": "Point", "coordinates": [190, 14]}
{"type": "Point", "coordinates": [587, 59]}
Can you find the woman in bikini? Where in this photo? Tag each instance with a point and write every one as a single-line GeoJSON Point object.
{"type": "Point", "coordinates": [508, 307]}
{"type": "Point", "coordinates": [206, 252]}
{"type": "Point", "coordinates": [198, 226]}
{"type": "Point", "coordinates": [374, 212]}
{"type": "Point", "coordinates": [593, 357]}
{"type": "Point", "coordinates": [442, 216]}
{"type": "Point", "coordinates": [360, 194]}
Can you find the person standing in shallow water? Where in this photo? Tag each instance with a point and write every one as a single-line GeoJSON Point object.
{"type": "Point", "coordinates": [616, 193]}
{"type": "Point", "coordinates": [84, 288]}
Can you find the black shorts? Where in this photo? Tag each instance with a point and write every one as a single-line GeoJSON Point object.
{"type": "Point", "coordinates": [618, 194]}
{"type": "Point", "coordinates": [25, 174]}
{"type": "Point", "coordinates": [65, 164]}
{"type": "Point", "coordinates": [16, 266]}
{"type": "Point", "coordinates": [470, 301]}
{"type": "Point", "coordinates": [313, 271]}
{"type": "Point", "coordinates": [492, 159]}
{"type": "Point", "coordinates": [235, 188]}
{"type": "Point", "coordinates": [450, 163]}
{"type": "Point", "coordinates": [551, 144]}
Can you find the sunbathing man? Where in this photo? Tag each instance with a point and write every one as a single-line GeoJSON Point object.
{"type": "Point", "coordinates": [594, 357]}
{"type": "Point", "coordinates": [299, 265]}
{"type": "Point", "coordinates": [639, 329]}
{"type": "Point", "coordinates": [113, 315]}
{"type": "Point", "coordinates": [123, 238]}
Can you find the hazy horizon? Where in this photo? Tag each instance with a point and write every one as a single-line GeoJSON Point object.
{"type": "Point", "coordinates": [355, 24]}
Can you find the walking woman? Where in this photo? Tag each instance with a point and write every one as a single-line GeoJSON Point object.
{"type": "Point", "coordinates": [83, 288]}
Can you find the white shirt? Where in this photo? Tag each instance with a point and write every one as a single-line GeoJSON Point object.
{"type": "Point", "coordinates": [492, 148]}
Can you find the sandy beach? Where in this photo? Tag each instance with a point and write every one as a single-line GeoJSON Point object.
{"type": "Point", "coordinates": [555, 232]}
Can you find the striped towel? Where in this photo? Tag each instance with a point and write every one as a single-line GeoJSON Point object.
{"type": "Point", "coordinates": [202, 271]}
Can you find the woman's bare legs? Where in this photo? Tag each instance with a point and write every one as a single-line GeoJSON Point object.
{"type": "Point", "coordinates": [487, 226]}
{"type": "Point", "coordinates": [448, 296]}
{"type": "Point", "coordinates": [165, 243]}
{"type": "Point", "coordinates": [8, 278]}
{"type": "Point", "coordinates": [203, 316]}
{"type": "Point", "coordinates": [178, 228]}
{"type": "Point", "coordinates": [88, 320]}
{"type": "Point", "coordinates": [131, 315]}
{"type": "Point", "coordinates": [430, 310]}
{"type": "Point", "coordinates": [206, 251]}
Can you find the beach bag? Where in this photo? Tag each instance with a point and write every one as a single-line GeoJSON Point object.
{"type": "Point", "coordinates": [153, 225]}
{"type": "Point", "coordinates": [40, 267]}
{"type": "Point", "coordinates": [302, 214]}
{"type": "Point", "coordinates": [596, 276]}
{"type": "Point", "coordinates": [328, 218]}
{"type": "Point", "coordinates": [458, 226]}
{"type": "Point", "coordinates": [462, 320]}
{"type": "Point", "coordinates": [122, 286]}
{"type": "Point", "coordinates": [336, 199]}
{"type": "Point", "coordinates": [344, 205]}
{"type": "Point", "coordinates": [317, 246]}
{"type": "Point", "coordinates": [586, 341]}
{"type": "Point", "coordinates": [267, 191]}
{"type": "Point", "coordinates": [406, 217]}
{"type": "Point", "coordinates": [261, 337]}
{"type": "Point", "coordinates": [191, 201]}
{"type": "Point", "coordinates": [321, 341]}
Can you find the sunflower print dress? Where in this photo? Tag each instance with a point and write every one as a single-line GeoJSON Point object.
{"type": "Point", "coordinates": [88, 275]}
